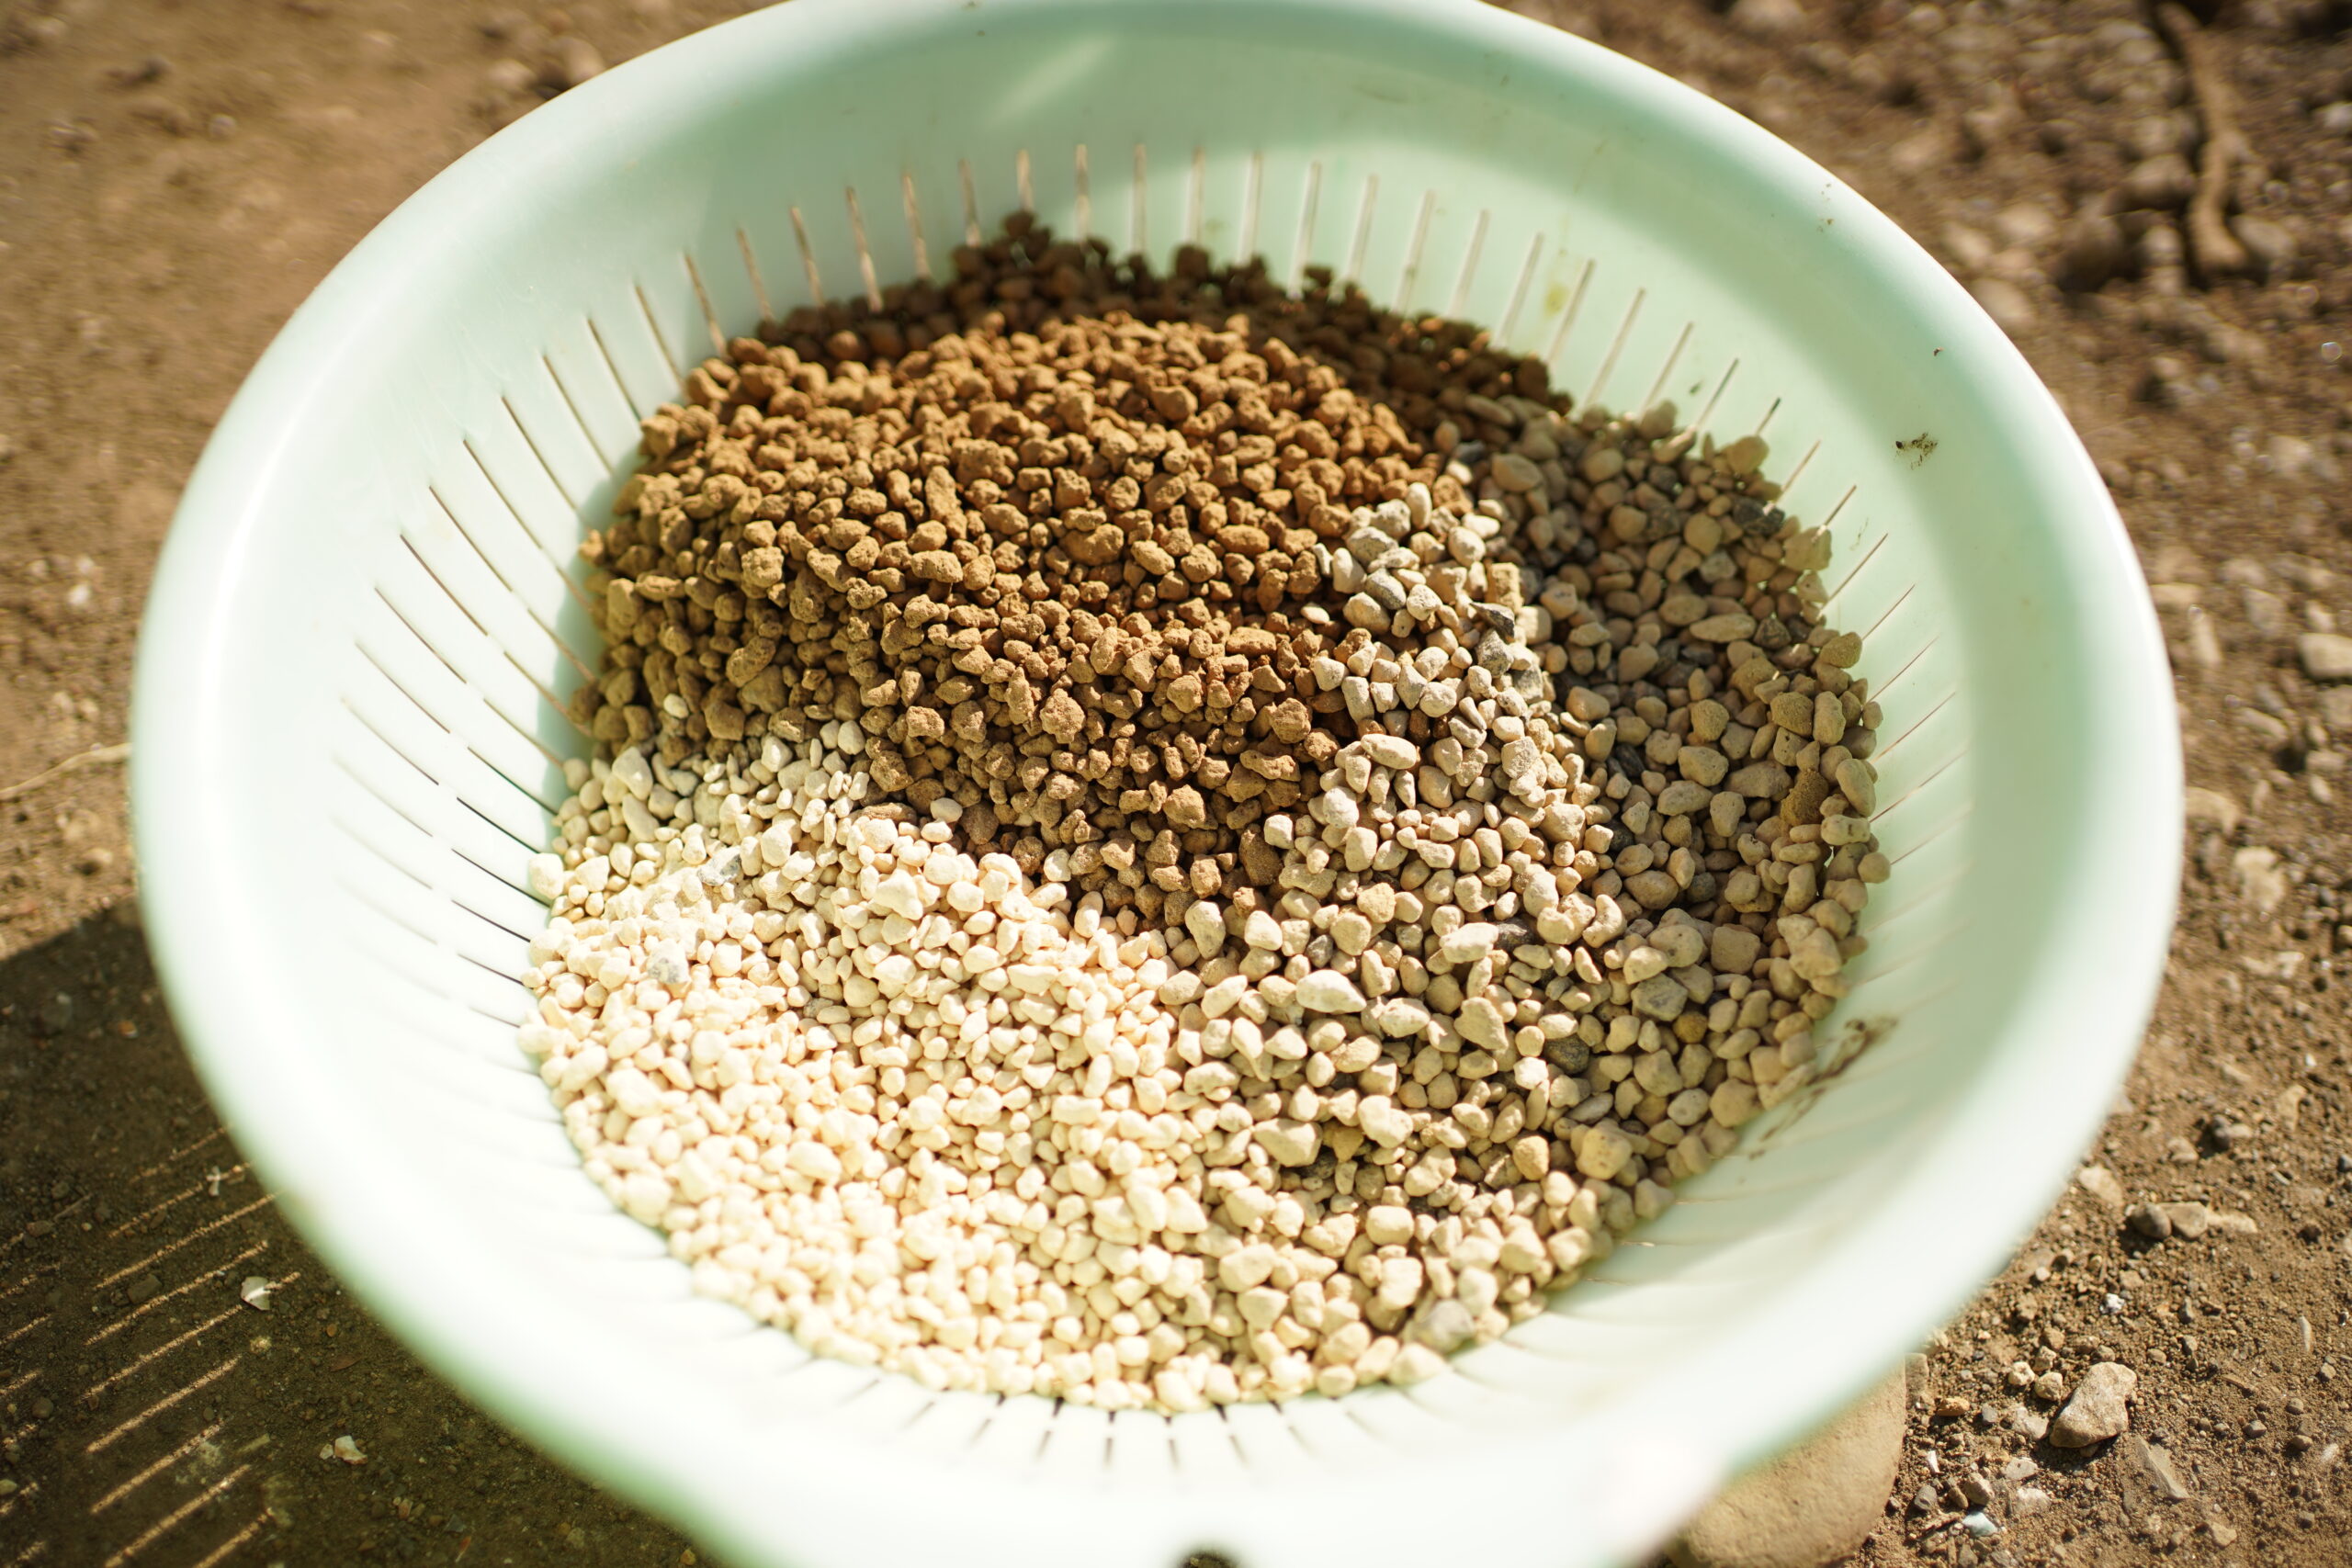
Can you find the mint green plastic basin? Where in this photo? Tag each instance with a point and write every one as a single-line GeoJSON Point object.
{"type": "Point", "coordinates": [347, 741]}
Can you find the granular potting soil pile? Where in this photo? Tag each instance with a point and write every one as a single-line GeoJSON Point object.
{"type": "Point", "coordinates": [1158, 841]}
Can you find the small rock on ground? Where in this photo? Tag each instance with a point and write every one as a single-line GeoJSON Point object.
{"type": "Point", "coordinates": [2100, 1408]}
{"type": "Point", "coordinates": [2260, 880]}
{"type": "Point", "coordinates": [1766, 18]}
{"type": "Point", "coordinates": [2100, 1183]}
{"type": "Point", "coordinates": [2211, 809]}
{"type": "Point", "coordinates": [2011, 309]}
{"type": "Point", "coordinates": [1813, 1504]}
{"type": "Point", "coordinates": [2326, 656]}
{"type": "Point", "coordinates": [2187, 1221]}
{"type": "Point", "coordinates": [2150, 1463]}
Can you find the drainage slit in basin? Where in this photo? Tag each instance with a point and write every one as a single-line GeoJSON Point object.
{"type": "Point", "coordinates": [448, 791]}
{"type": "Point", "coordinates": [521, 603]}
{"type": "Point", "coordinates": [495, 972]}
{"type": "Point", "coordinates": [1931, 777]}
{"type": "Point", "coordinates": [1456, 302]}
{"type": "Point", "coordinates": [1136, 241]}
{"type": "Point", "coordinates": [562, 490]}
{"type": "Point", "coordinates": [369, 846]}
{"type": "Point", "coordinates": [1888, 750]}
{"type": "Point", "coordinates": [1899, 601]}
{"type": "Point", "coordinates": [807, 257]}
{"type": "Point", "coordinates": [571, 405]}
{"type": "Point", "coordinates": [1616, 347]}
{"type": "Point", "coordinates": [986, 1422]}
{"type": "Point", "coordinates": [1649, 399]}
{"type": "Point", "coordinates": [1916, 900]}
{"type": "Point", "coordinates": [1707, 410]}
{"type": "Point", "coordinates": [613, 368]}
{"type": "Point", "coordinates": [645, 309]}
{"type": "Point", "coordinates": [1045, 1434]}
{"type": "Point", "coordinates": [1908, 665]}
{"type": "Point", "coordinates": [470, 687]}
{"type": "Point", "coordinates": [1253, 184]}
{"type": "Point", "coordinates": [702, 298]}
{"type": "Point", "coordinates": [1406, 278]}
{"type": "Point", "coordinates": [1303, 245]}
{"type": "Point", "coordinates": [914, 224]}
{"type": "Point", "coordinates": [1196, 192]}
{"type": "Point", "coordinates": [1942, 939]}
{"type": "Point", "coordinates": [1568, 317]}
{"type": "Point", "coordinates": [1518, 286]}
{"type": "Point", "coordinates": [366, 778]}
{"type": "Point", "coordinates": [1798, 472]}
{"type": "Point", "coordinates": [1354, 272]}
{"type": "Point", "coordinates": [864, 252]}
{"type": "Point", "coordinates": [751, 271]}
{"type": "Point", "coordinates": [503, 881]}
{"type": "Point", "coordinates": [1232, 1436]}
{"type": "Point", "coordinates": [554, 556]}
{"type": "Point", "coordinates": [1876, 545]}
{"type": "Point", "coordinates": [1839, 507]}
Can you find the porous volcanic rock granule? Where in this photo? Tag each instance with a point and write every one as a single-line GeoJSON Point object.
{"type": "Point", "coordinates": [1160, 842]}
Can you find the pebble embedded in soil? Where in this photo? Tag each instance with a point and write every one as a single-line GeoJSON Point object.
{"type": "Point", "coordinates": [2189, 1220]}
{"type": "Point", "coordinates": [2211, 809]}
{"type": "Point", "coordinates": [2101, 1184]}
{"type": "Point", "coordinates": [2098, 1409]}
{"type": "Point", "coordinates": [2325, 656]}
{"type": "Point", "coordinates": [2011, 308]}
{"type": "Point", "coordinates": [2152, 1463]}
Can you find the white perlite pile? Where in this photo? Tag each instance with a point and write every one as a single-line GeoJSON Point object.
{"type": "Point", "coordinates": [929, 1115]}
{"type": "Point", "coordinates": [921, 1113]}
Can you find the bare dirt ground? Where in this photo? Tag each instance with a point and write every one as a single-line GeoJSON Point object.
{"type": "Point", "coordinates": [176, 175]}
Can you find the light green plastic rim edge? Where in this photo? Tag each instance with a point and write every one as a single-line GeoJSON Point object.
{"type": "Point", "coordinates": [247, 1044]}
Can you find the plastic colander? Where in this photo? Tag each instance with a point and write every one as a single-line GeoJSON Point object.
{"type": "Point", "coordinates": [348, 736]}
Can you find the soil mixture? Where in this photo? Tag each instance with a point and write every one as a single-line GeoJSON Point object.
{"type": "Point", "coordinates": [175, 175]}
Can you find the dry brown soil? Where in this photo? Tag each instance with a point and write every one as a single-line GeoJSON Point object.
{"type": "Point", "coordinates": [176, 175]}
